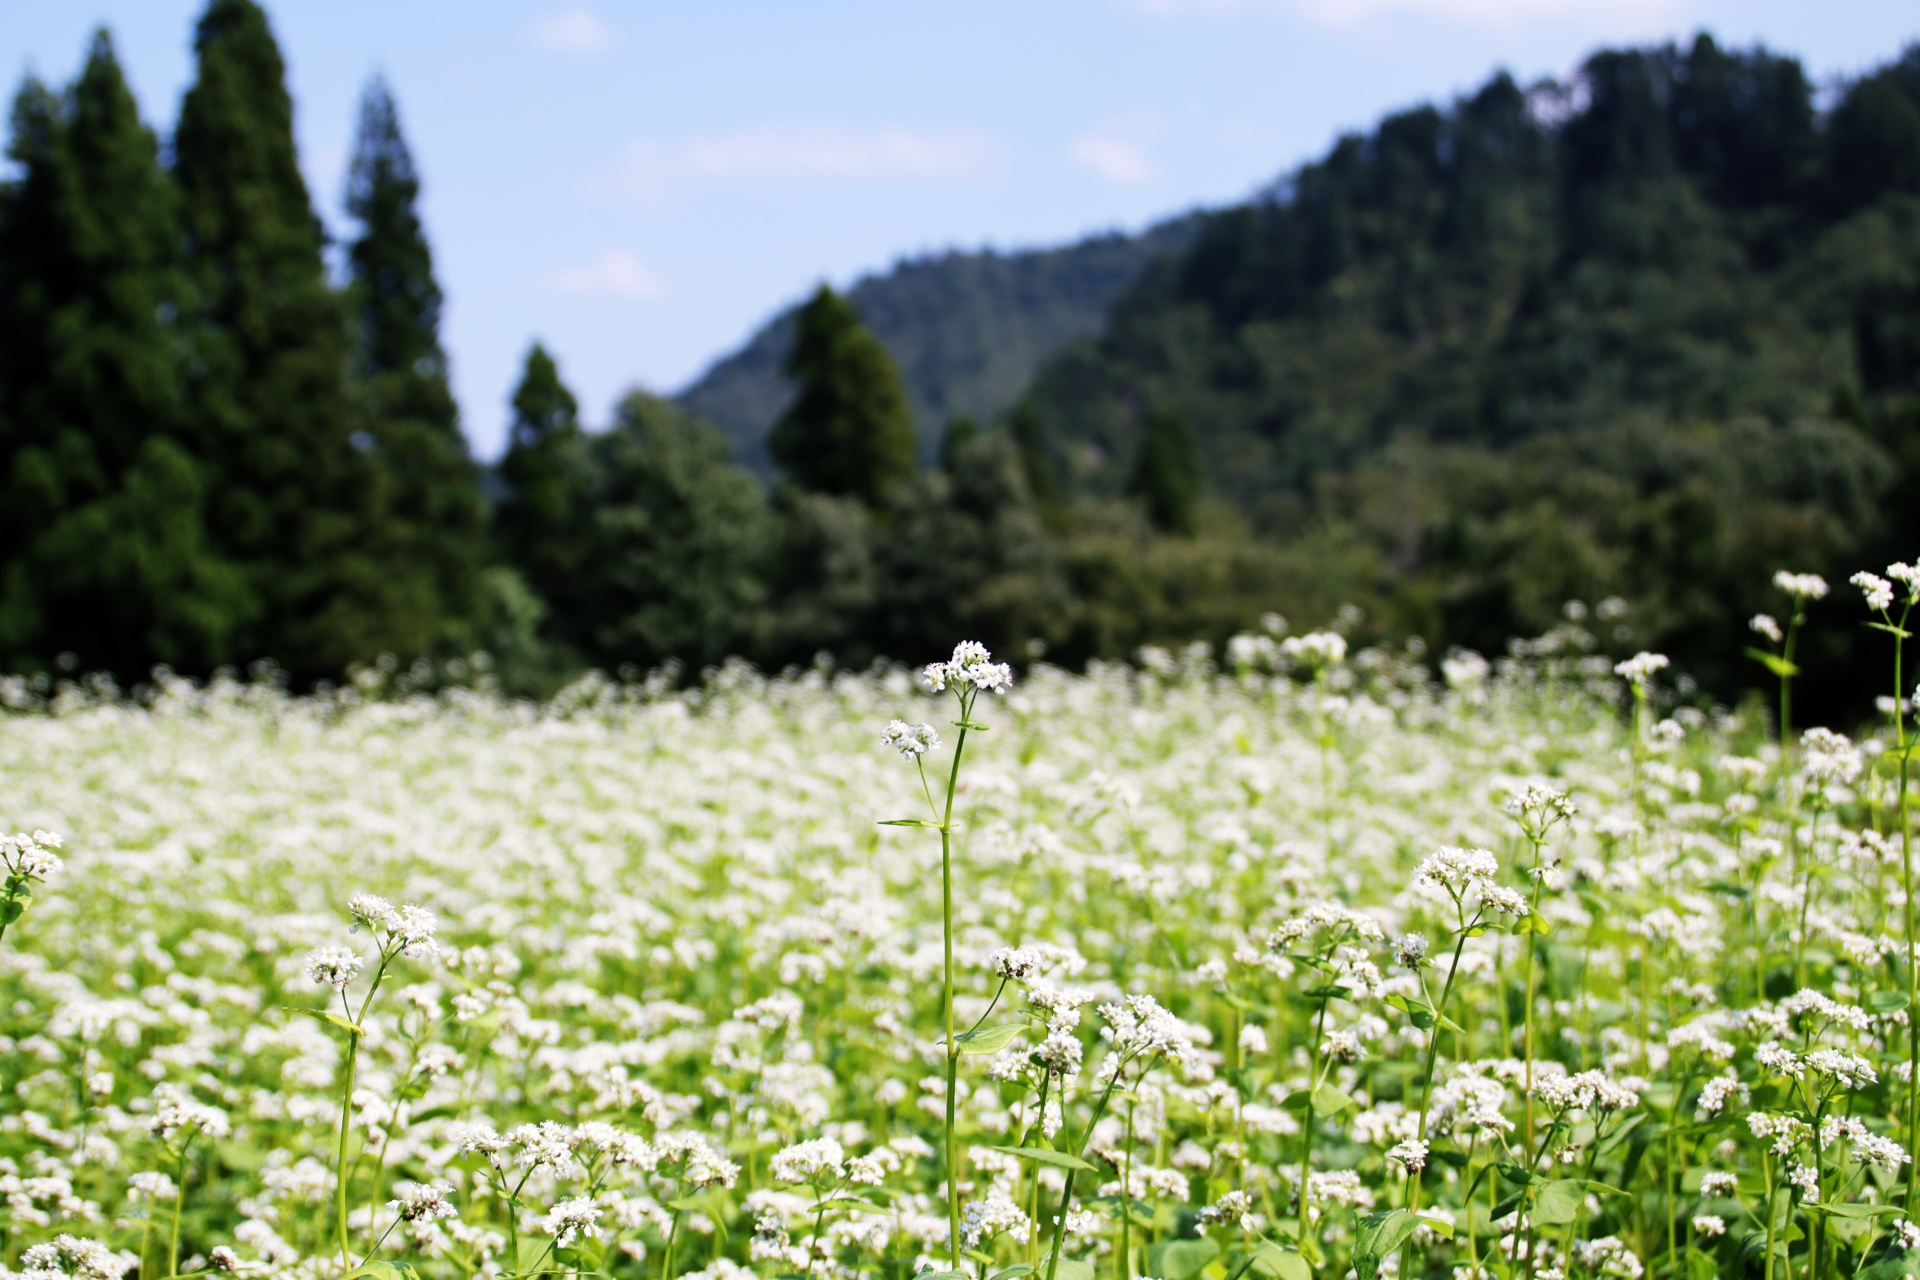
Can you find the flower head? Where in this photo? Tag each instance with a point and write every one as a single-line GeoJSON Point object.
{"type": "Point", "coordinates": [1877, 590]}
{"type": "Point", "coordinates": [970, 667]}
{"type": "Point", "coordinates": [1764, 624]}
{"type": "Point", "coordinates": [1801, 586]}
{"type": "Point", "coordinates": [910, 740]}
{"type": "Point", "coordinates": [1640, 668]}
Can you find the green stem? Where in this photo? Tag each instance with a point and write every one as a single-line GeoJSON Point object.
{"type": "Point", "coordinates": [673, 1233]}
{"type": "Point", "coordinates": [340, 1162]}
{"type": "Point", "coordinates": [946, 991]}
{"type": "Point", "coordinates": [179, 1199]}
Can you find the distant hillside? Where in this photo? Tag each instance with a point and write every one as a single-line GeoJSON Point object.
{"type": "Point", "coordinates": [967, 330]}
{"type": "Point", "coordinates": [1653, 333]}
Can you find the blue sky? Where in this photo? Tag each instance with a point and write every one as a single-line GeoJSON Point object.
{"type": "Point", "coordinates": [640, 185]}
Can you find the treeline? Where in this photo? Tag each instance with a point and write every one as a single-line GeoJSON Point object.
{"type": "Point", "coordinates": [208, 453]}
{"type": "Point", "coordinates": [212, 454]}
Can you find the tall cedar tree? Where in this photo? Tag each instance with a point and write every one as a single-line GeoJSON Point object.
{"type": "Point", "coordinates": [102, 508]}
{"type": "Point", "coordinates": [544, 521]}
{"type": "Point", "coordinates": [1166, 473]}
{"type": "Point", "coordinates": [430, 523]}
{"type": "Point", "coordinates": [848, 430]}
{"type": "Point", "coordinates": [293, 484]}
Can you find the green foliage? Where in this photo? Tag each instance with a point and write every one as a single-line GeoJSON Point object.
{"type": "Point", "coordinates": [430, 520]}
{"type": "Point", "coordinates": [1166, 473]}
{"type": "Point", "coordinates": [1654, 342]}
{"type": "Point", "coordinates": [847, 431]}
{"type": "Point", "coordinates": [290, 482]}
{"type": "Point", "coordinates": [680, 541]}
{"type": "Point", "coordinates": [103, 509]}
{"type": "Point", "coordinates": [543, 517]}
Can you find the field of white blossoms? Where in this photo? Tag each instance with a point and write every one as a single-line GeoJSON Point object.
{"type": "Point", "coordinates": [1292, 962]}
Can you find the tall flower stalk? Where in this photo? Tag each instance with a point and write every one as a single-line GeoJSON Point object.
{"type": "Point", "coordinates": [1538, 810]}
{"type": "Point", "coordinates": [969, 673]}
{"type": "Point", "coordinates": [1880, 597]}
{"type": "Point", "coordinates": [1801, 589]}
{"type": "Point", "coordinates": [397, 931]}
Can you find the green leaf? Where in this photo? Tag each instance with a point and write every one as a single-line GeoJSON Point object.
{"type": "Point", "coordinates": [1856, 1210]}
{"type": "Point", "coordinates": [1439, 1226]}
{"type": "Point", "coordinates": [686, 1203]}
{"type": "Point", "coordinates": [1515, 1173]}
{"type": "Point", "coordinates": [1017, 1269]}
{"type": "Point", "coordinates": [378, 1269]}
{"type": "Point", "coordinates": [1326, 991]}
{"type": "Point", "coordinates": [1728, 888]}
{"type": "Point", "coordinates": [1777, 664]}
{"type": "Point", "coordinates": [1181, 1259]}
{"type": "Point", "coordinates": [1330, 1101]}
{"type": "Point", "coordinates": [910, 822]}
{"type": "Point", "coordinates": [1072, 1269]}
{"type": "Point", "coordinates": [1532, 922]}
{"type": "Point", "coordinates": [1379, 1234]}
{"type": "Point", "coordinates": [1418, 1010]}
{"type": "Point", "coordinates": [1041, 1155]}
{"type": "Point", "coordinates": [1558, 1203]}
{"type": "Point", "coordinates": [968, 724]}
{"type": "Point", "coordinates": [1896, 1264]}
{"type": "Point", "coordinates": [988, 1039]}
{"type": "Point", "coordinates": [1274, 1263]}
{"type": "Point", "coordinates": [346, 1024]}
{"type": "Point", "coordinates": [1887, 1001]}
{"type": "Point", "coordinates": [12, 909]}
{"type": "Point", "coordinates": [1891, 630]}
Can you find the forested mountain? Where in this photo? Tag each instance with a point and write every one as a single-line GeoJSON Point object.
{"type": "Point", "coordinates": [967, 331]}
{"type": "Point", "coordinates": [1652, 333]}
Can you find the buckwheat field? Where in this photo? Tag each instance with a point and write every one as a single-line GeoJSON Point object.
{"type": "Point", "coordinates": [1276, 963]}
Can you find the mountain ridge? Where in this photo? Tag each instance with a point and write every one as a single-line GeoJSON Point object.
{"type": "Point", "coordinates": [967, 329]}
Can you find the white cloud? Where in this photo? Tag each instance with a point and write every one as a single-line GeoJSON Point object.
{"type": "Point", "coordinates": [1476, 13]}
{"type": "Point", "coordinates": [647, 170]}
{"type": "Point", "coordinates": [574, 29]}
{"type": "Point", "coordinates": [1114, 158]}
{"type": "Point", "coordinates": [616, 273]}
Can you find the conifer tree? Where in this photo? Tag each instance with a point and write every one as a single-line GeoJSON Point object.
{"type": "Point", "coordinates": [430, 521]}
{"type": "Point", "coordinates": [292, 481]}
{"type": "Point", "coordinates": [543, 522]}
{"type": "Point", "coordinates": [848, 430]}
{"type": "Point", "coordinates": [102, 508]}
{"type": "Point", "coordinates": [1166, 473]}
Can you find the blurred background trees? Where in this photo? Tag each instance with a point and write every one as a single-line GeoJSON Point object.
{"type": "Point", "coordinates": [1650, 335]}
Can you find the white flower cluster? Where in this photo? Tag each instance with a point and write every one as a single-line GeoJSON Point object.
{"type": "Point", "coordinates": [1465, 873]}
{"type": "Point", "coordinates": [175, 1111]}
{"type": "Point", "coordinates": [994, 1216]}
{"type": "Point", "coordinates": [970, 667]}
{"type": "Point", "coordinates": [1782, 1133]}
{"type": "Point", "coordinates": [70, 1258]}
{"type": "Point", "coordinates": [1801, 586]}
{"type": "Point", "coordinates": [821, 1159]}
{"type": "Point", "coordinates": [1315, 650]}
{"type": "Point", "coordinates": [31, 857]}
{"type": "Point", "coordinates": [910, 740]}
{"type": "Point", "coordinates": [571, 1219]}
{"type": "Point", "coordinates": [410, 928]}
{"type": "Point", "coordinates": [1641, 667]}
{"type": "Point", "coordinates": [1765, 624]}
{"type": "Point", "coordinates": [1587, 1091]}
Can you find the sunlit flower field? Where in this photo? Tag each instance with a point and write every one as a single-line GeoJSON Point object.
{"type": "Point", "coordinates": [1523, 969]}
